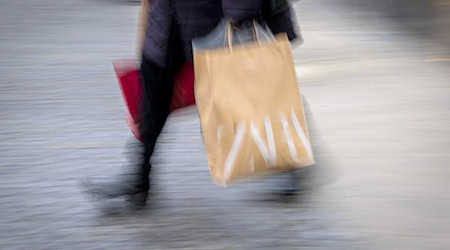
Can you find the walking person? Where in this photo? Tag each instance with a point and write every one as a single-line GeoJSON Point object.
{"type": "Point", "coordinates": [170, 28]}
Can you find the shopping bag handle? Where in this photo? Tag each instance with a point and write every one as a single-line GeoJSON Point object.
{"type": "Point", "coordinates": [229, 29]}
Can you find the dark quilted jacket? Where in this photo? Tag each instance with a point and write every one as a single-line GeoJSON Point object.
{"type": "Point", "coordinates": [183, 20]}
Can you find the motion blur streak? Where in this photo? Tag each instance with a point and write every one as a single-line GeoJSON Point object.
{"type": "Point", "coordinates": [375, 74]}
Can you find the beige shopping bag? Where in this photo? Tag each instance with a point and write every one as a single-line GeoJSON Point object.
{"type": "Point", "coordinates": [251, 109]}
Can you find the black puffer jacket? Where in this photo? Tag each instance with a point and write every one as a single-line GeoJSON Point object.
{"type": "Point", "coordinates": [183, 20]}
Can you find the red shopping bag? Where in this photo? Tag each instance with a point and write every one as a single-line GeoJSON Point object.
{"type": "Point", "coordinates": [129, 78]}
{"type": "Point", "coordinates": [183, 92]}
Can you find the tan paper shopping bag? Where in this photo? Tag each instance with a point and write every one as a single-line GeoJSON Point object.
{"type": "Point", "coordinates": [251, 109]}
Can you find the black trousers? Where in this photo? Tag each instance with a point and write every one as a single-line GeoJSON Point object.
{"type": "Point", "coordinates": [158, 88]}
{"type": "Point", "coordinates": [158, 84]}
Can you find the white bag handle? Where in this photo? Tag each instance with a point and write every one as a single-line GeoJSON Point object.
{"type": "Point", "coordinates": [229, 29]}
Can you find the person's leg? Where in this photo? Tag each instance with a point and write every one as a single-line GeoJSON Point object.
{"type": "Point", "coordinates": [133, 182]}
{"type": "Point", "coordinates": [157, 90]}
{"type": "Point", "coordinates": [158, 87]}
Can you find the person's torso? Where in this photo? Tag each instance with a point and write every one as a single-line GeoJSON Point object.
{"type": "Point", "coordinates": [195, 18]}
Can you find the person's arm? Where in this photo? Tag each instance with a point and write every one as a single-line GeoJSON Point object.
{"type": "Point", "coordinates": [281, 18]}
{"type": "Point", "coordinates": [158, 32]}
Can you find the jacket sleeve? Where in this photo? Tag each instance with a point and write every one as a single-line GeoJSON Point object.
{"type": "Point", "coordinates": [280, 17]}
{"type": "Point", "coordinates": [158, 32]}
{"type": "Point", "coordinates": [283, 22]}
{"type": "Point", "coordinates": [240, 10]}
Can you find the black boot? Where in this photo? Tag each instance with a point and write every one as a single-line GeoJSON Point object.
{"type": "Point", "coordinates": [291, 185]}
{"type": "Point", "coordinates": [132, 186]}
{"type": "Point", "coordinates": [286, 184]}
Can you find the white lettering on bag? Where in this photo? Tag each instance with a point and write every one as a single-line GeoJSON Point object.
{"type": "Point", "coordinates": [300, 133]}
{"type": "Point", "coordinates": [252, 165]}
{"type": "Point", "coordinates": [289, 139]}
{"type": "Point", "coordinates": [229, 164]}
{"type": "Point", "coordinates": [268, 151]}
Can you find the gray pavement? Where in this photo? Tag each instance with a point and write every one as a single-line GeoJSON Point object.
{"type": "Point", "coordinates": [378, 93]}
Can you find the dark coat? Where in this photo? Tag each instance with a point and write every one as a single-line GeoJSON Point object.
{"type": "Point", "coordinates": [184, 20]}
